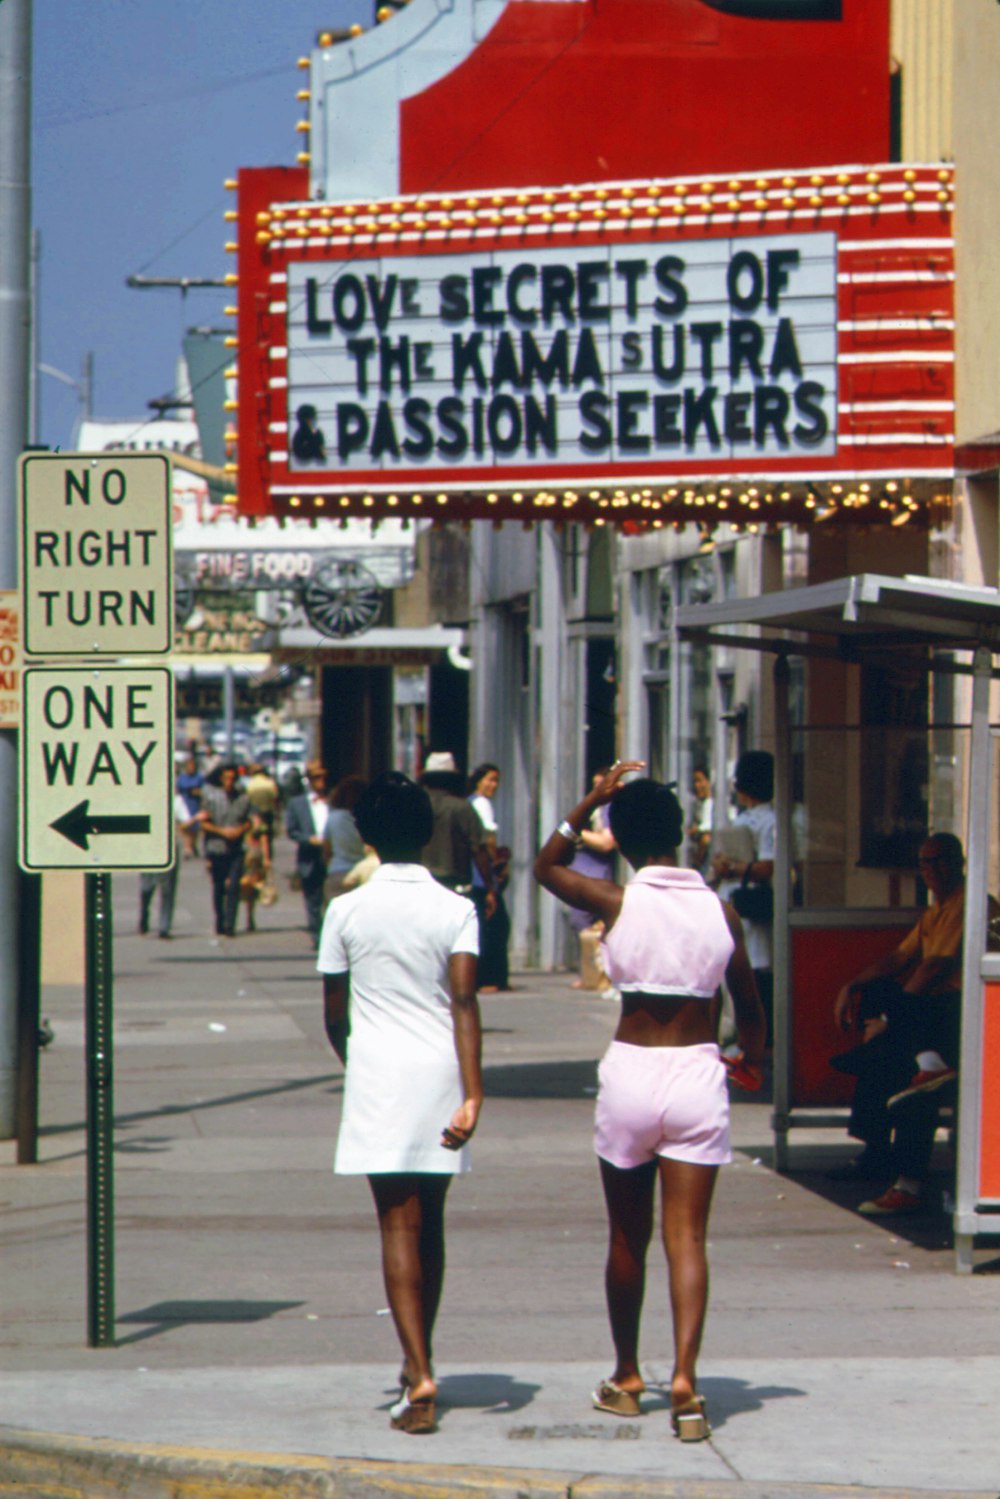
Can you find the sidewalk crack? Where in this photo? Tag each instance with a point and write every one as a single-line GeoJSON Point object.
{"type": "Point", "coordinates": [725, 1461]}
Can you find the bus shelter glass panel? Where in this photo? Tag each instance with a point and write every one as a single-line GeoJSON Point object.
{"type": "Point", "coordinates": [863, 800]}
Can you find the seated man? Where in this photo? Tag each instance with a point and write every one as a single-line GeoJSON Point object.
{"type": "Point", "coordinates": [908, 1007]}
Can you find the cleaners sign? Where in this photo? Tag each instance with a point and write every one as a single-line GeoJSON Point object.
{"type": "Point", "coordinates": [553, 358]}
{"type": "Point", "coordinates": [96, 558]}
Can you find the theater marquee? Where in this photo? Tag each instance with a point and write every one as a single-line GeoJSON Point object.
{"type": "Point", "coordinates": [621, 351]}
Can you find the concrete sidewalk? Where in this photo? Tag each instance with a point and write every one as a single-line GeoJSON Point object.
{"type": "Point", "coordinates": [255, 1353]}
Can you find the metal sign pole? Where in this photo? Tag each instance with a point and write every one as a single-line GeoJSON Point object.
{"type": "Point", "coordinates": [29, 1015]}
{"type": "Point", "coordinates": [100, 1114]}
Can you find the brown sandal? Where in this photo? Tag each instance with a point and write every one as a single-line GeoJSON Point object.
{"type": "Point", "coordinates": [689, 1420]}
{"type": "Point", "coordinates": [612, 1398]}
{"type": "Point", "coordinates": [417, 1417]}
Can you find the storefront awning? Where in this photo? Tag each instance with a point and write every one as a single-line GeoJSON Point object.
{"type": "Point", "coordinates": [869, 610]}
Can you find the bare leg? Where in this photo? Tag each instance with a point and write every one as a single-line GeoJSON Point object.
{"type": "Point", "coordinates": [629, 1198]}
{"type": "Point", "coordinates": [433, 1191]}
{"type": "Point", "coordinates": [410, 1211]}
{"type": "Point", "coordinates": [687, 1199]}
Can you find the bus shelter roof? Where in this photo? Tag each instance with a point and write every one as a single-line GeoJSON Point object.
{"type": "Point", "coordinates": [869, 611]}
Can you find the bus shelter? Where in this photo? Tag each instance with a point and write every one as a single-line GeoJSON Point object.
{"type": "Point", "coordinates": [955, 629]}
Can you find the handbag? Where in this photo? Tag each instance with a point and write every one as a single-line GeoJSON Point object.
{"type": "Point", "coordinates": [267, 891]}
{"type": "Point", "coordinates": [753, 902]}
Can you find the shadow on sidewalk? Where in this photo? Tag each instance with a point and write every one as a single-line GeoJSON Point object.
{"type": "Point", "coordinates": [491, 1394]}
{"type": "Point", "coordinates": [163, 1316]}
{"type": "Point", "coordinates": [541, 1080]}
{"type": "Point", "coordinates": [929, 1229]}
{"type": "Point", "coordinates": [727, 1397]}
{"type": "Point", "coordinates": [334, 1080]}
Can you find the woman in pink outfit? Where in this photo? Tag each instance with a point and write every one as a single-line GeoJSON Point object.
{"type": "Point", "coordinates": [662, 1105]}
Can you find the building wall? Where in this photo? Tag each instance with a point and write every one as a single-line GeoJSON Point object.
{"type": "Point", "coordinates": [922, 45]}
{"type": "Point", "coordinates": [976, 138]}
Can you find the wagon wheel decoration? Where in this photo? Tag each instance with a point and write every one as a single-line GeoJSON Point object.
{"type": "Point", "coordinates": [183, 601]}
{"type": "Point", "coordinates": [342, 598]}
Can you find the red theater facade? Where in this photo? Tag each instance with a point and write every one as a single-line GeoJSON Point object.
{"type": "Point", "coordinates": [601, 261]}
{"type": "Point", "coordinates": [657, 277]}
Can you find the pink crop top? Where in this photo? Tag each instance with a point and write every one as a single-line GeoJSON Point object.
{"type": "Point", "coordinates": [671, 936]}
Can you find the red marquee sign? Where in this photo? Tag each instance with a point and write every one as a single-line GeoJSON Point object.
{"type": "Point", "coordinates": [752, 348]}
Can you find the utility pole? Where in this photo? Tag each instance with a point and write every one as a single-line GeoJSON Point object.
{"type": "Point", "coordinates": [15, 350]}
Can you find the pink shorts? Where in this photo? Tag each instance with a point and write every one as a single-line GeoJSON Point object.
{"type": "Point", "coordinates": [667, 1101]}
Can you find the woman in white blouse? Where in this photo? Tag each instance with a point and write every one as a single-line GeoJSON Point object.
{"type": "Point", "coordinates": [494, 931]}
{"type": "Point", "coordinates": [398, 958]}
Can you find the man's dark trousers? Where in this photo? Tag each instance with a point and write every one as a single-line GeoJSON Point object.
{"type": "Point", "coordinates": [226, 870]}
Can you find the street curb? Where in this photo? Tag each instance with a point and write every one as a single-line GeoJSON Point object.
{"type": "Point", "coordinates": [35, 1465]}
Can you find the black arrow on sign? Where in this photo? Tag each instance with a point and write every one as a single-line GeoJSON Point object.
{"type": "Point", "coordinates": [80, 823]}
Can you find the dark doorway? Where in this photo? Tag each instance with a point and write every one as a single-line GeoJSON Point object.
{"type": "Point", "coordinates": [448, 711]}
{"type": "Point", "coordinates": [602, 690]}
{"type": "Point", "coordinates": [356, 726]}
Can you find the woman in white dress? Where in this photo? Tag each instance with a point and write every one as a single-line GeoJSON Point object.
{"type": "Point", "coordinates": [398, 958]}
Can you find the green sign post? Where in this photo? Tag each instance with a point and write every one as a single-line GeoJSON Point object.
{"type": "Point", "coordinates": [96, 740]}
{"type": "Point", "coordinates": [99, 1045]}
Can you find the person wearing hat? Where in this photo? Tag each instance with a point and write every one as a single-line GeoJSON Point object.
{"type": "Point", "coordinates": [753, 783]}
{"type": "Point", "coordinates": [458, 840]}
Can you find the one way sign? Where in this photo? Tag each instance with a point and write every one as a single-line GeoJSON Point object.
{"type": "Point", "coordinates": [97, 769]}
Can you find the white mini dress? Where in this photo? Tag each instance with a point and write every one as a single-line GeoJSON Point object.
{"type": "Point", "coordinates": [394, 936]}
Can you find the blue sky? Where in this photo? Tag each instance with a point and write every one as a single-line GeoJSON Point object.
{"type": "Point", "coordinates": [141, 110]}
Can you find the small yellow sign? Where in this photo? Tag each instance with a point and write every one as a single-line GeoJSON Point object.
{"type": "Point", "coordinates": [10, 660]}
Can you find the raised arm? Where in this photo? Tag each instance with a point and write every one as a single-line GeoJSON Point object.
{"type": "Point", "coordinates": [468, 1048]}
{"type": "Point", "coordinates": [602, 898]}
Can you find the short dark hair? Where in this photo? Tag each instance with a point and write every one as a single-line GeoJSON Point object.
{"type": "Point", "coordinates": [480, 771]}
{"type": "Point", "coordinates": [950, 850]}
{"type": "Point", "coordinates": [394, 815]}
{"type": "Point", "coordinates": [306, 414]}
{"type": "Point", "coordinates": [646, 820]}
{"type": "Point", "coordinates": [755, 775]}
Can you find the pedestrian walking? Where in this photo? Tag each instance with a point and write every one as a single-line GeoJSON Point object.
{"type": "Point", "coordinates": [225, 821]}
{"type": "Point", "coordinates": [265, 797]}
{"type": "Point", "coordinates": [594, 856]}
{"type": "Point", "coordinates": [662, 1105]}
{"type": "Point", "coordinates": [747, 882]}
{"type": "Point", "coordinates": [306, 820]}
{"type": "Point", "coordinates": [458, 840]}
{"type": "Point", "coordinates": [256, 867]}
{"type": "Point", "coordinates": [493, 975]}
{"type": "Point", "coordinates": [398, 959]}
{"type": "Point", "coordinates": [165, 880]}
{"type": "Point", "coordinates": [346, 847]}
{"type": "Point", "coordinates": [699, 832]}
{"type": "Point", "coordinates": [189, 784]}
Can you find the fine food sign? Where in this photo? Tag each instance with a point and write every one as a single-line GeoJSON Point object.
{"type": "Point", "coordinates": [96, 554]}
{"type": "Point", "coordinates": [96, 769]}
